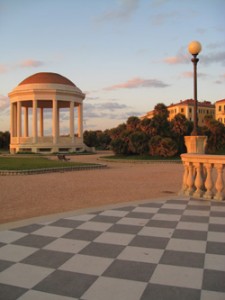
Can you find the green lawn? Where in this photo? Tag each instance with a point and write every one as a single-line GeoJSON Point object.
{"type": "Point", "coordinates": [141, 158]}
{"type": "Point", "coordinates": [30, 163]}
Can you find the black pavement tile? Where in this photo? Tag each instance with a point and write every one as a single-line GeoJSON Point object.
{"type": "Point", "coordinates": [28, 228]}
{"type": "Point", "coordinates": [9, 292]}
{"type": "Point", "coordinates": [131, 270]}
{"type": "Point", "coordinates": [217, 227]}
{"type": "Point", "coordinates": [190, 234]}
{"type": "Point", "coordinates": [47, 258]}
{"type": "Point", "coordinates": [181, 258]}
{"type": "Point", "coordinates": [170, 211]}
{"type": "Point", "coordinates": [120, 228]}
{"type": "Point", "coordinates": [82, 234]}
{"type": "Point", "coordinates": [140, 215]}
{"type": "Point", "coordinates": [5, 264]}
{"type": "Point", "coordinates": [163, 292]}
{"type": "Point", "coordinates": [67, 223]}
{"type": "Point", "coordinates": [214, 281]}
{"type": "Point", "coordinates": [105, 219]}
{"type": "Point", "coordinates": [102, 250]}
{"type": "Point", "coordinates": [33, 240]}
{"type": "Point", "coordinates": [66, 283]}
{"type": "Point", "coordinates": [195, 219]}
{"type": "Point", "coordinates": [162, 224]}
{"type": "Point", "coordinates": [215, 248]}
{"type": "Point", "coordinates": [149, 242]}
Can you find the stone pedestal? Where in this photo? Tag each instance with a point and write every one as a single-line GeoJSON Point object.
{"type": "Point", "coordinates": [195, 144]}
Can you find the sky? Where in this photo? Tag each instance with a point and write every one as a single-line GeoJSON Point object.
{"type": "Point", "coordinates": [125, 55]}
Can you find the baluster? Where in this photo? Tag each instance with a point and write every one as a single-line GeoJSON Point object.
{"type": "Point", "coordinates": [219, 183]}
{"type": "Point", "coordinates": [198, 181]}
{"type": "Point", "coordinates": [185, 177]}
{"type": "Point", "coordinates": [190, 180]}
{"type": "Point", "coordinates": [209, 181]}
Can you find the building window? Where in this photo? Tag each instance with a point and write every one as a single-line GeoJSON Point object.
{"type": "Point", "coordinates": [220, 108]}
{"type": "Point", "coordinates": [182, 110]}
{"type": "Point", "coordinates": [190, 110]}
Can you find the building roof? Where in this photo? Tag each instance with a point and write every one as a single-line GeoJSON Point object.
{"type": "Point", "coordinates": [47, 77]}
{"type": "Point", "coordinates": [223, 100]}
{"type": "Point", "coordinates": [191, 102]}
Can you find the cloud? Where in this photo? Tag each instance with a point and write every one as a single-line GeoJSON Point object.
{"type": "Point", "coordinates": [4, 102]}
{"type": "Point", "coordinates": [138, 83]}
{"type": "Point", "coordinates": [162, 18]}
{"type": "Point", "coordinates": [112, 106]}
{"type": "Point", "coordinates": [178, 59]}
{"type": "Point", "coordinates": [125, 10]}
{"type": "Point", "coordinates": [190, 74]}
{"type": "Point", "coordinates": [31, 63]}
{"type": "Point", "coordinates": [181, 58]}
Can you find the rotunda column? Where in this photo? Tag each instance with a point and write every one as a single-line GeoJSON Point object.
{"type": "Point", "coordinates": [55, 121]}
{"type": "Point", "coordinates": [80, 120]}
{"type": "Point", "coordinates": [34, 121]}
{"type": "Point", "coordinates": [18, 121]}
{"type": "Point", "coordinates": [72, 121]}
{"type": "Point", "coordinates": [25, 121]}
{"type": "Point", "coordinates": [41, 121]}
{"type": "Point", "coordinates": [12, 120]}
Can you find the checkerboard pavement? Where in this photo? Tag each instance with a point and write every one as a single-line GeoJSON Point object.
{"type": "Point", "coordinates": [160, 249]}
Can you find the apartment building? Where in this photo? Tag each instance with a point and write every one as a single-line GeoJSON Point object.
{"type": "Point", "coordinates": [186, 107]}
{"type": "Point", "coordinates": [220, 111]}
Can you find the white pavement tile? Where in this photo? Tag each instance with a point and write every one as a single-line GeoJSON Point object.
{"type": "Point", "coordinates": [156, 231]}
{"type": "Point", "coordinates": [114, 213]}
{"type": "Point", "coordinates": [209, 295]}
{"type": "Point", "coordinates": [140, 254]}
{"type": "Point", "coordinates": [133, 221]}
{"type": "Point", "coordinates": [53, 231]}
{"type": "Point", "coordinates": [8, 236]}
{"type": "Point", "coordinates": [200, 213]}
{"type": "Point", "coordinates": [178, 276]}
{"type": "Point", "coordinates": [166, 217]}
{"type": "Point", "coordinates": [67, 245]}
{"type": "Point", "coordinates": [217, 220]}
{"type": "Point", "coordinates": [15, 253]}
{"type": "Point", "coordinates": [186, 245]}
{"type": "Point", "coordinates": [96, 226]}
{"type": "Point", "coordinates": [174, 206]}
{"type": "Point", "coordinates": [192, 226]}
{"type": "Point", "coordinates": [144, 209]}
{"type": "Point", "coordinates": [114, 289]}
{"type": "Point", "coordinates": [114, 238]}
{"type": "Point", "coordinates": [216, 236]}
{"type": "Point", "coordinates": [86, 264]}
{"type": "Point", "coordinates": [215, 262]}
{"type": "Point", "coordinates": [86, 217]}
{"type": "Point", "coordinates": [25, 276]}
{"type": "Point", "coordinates": [36, 295]}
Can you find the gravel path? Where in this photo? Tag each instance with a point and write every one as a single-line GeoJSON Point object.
{"type": "Point", "coordinates": [29, 196]}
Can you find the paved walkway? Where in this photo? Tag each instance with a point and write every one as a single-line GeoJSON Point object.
{"type": "Point", "coordinates": [158, 249]}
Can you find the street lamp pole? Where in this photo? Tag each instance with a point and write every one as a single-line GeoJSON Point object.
{"type": "Point", "coordinates": [195, 48]}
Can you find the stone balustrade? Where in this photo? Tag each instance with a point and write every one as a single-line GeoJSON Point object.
{"type": "Point", "coordinates": [203, 176]}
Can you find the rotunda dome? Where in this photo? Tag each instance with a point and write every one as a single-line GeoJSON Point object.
{"type": "Point", "coordinates": [47, 77]}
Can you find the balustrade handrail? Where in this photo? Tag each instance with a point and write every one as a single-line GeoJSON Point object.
{"type": "Point", "coordinates": [197, 178]}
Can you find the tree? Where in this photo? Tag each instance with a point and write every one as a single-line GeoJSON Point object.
{"type": "Point", "coordinates": [161, 110]}
{"type": "Point", "coordinates": [4, 140]}
{"type": "Point", "coordinates": [145, 126]}
{"type": "Point", "coordinates": [90, 138]}
{"type": "Point", "coordinates": [180, 127]}
{"type": "Point", "coordinates": [165, 147]}
{"type": "Point", "coordinates": [138, 143]}
{"type": "Point", "coordinates": [133, 123]}
{"type": "Point", "coordinates": [215, 131]}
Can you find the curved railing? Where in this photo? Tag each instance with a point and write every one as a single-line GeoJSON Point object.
{"type": "Point", "coordinates": [203, 176]}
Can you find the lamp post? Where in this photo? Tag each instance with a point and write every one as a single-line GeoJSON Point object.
{"type": "Point", "coordinates": [195, 48]}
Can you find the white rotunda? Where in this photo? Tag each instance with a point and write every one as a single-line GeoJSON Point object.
{"type": "Point", "coordinates": [38, 98]}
